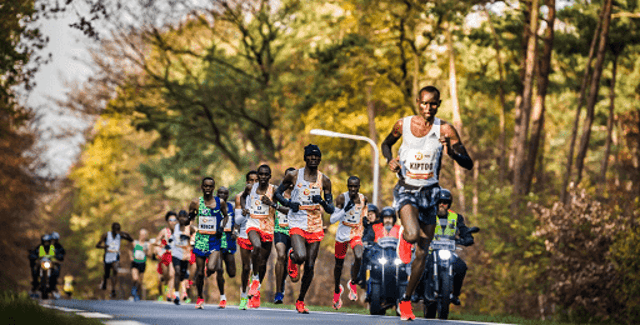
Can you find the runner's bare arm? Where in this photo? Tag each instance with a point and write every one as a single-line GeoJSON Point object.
{"type": "Point", "coordinates": [126, 236]}
{"type": "Point", "coordinates": [388, 143]}
{"type": "Point", "coordinates": [193, 209]}
{"type": "Point", "coordinates": [288, 179]}
{"type": "Point", "coordinates": [223, 209]}
{"type": "Point", "coordinates": [101, 243]}
{"type": "Point", "coordinates": [455, 149]}
{"type": "Point", "coordinates": [243, 199]}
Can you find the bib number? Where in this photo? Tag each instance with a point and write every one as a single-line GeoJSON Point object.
{"type": "Point", "coordinates": [139, 254]}
{"type": "Point", "coordinates": [207, 225]}
{"type": "Point", "coordinates": [306, 194]}
{"type": "Point", "coordinates": [283, 220]}
{"type": "Point", "coordinates": [353, 216]}
{"type": "Point", "coordinates": [419, 165]}
{"type": "Point", "coordinates": [258, 209]}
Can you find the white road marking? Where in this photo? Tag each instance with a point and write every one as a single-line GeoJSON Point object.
{"type": "Point", "coordinates": [94, 315]}
{"type": "Point", "coordinates": [123, 322]}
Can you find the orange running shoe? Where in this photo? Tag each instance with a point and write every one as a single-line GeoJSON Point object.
{"type": "Point", "coordinates": [292, 268]}
{"type": "Point", "coordinates": [200, 303]}
{"type": "Point", "coordinates": [406, 312]}
{"type": "Point", "coordinates": [353, 291]}
{"type": "Point", "coordinates": [254, 301]}
{"type": "Point", "coordinates": [223, 304]}
{"type": "Point", "coordinates": [254, 288]}
{"type": "Point", "coordinates": [337, 301]}
{"type": "Point", "coordinates": [301, 308]}
{"type": "Point", "coordinates": [404, 250]}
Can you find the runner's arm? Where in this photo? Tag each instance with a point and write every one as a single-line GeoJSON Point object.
{"type": "Point", "coordinates": [339, 213]}
{"type": "Point", "coordinates": [126, 236]}
{"type": "Point", "coordinates": [286, 182]}
{"type": "Point", "coordinates": [388, 143]}
{"type": "Point", "coordinates": [101, 243]}
{"type": "Point", "coordinates": [327, 203]}
{"type": "Point", "coordinates": [455, 149]}
{"type": "Point", "coordinates": [223, 209]}
{"type": "Point", "coordinates": [193, 209]}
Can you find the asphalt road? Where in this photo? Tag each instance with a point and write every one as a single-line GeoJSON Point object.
{"type": "Point", "coordinates": [123, 312]}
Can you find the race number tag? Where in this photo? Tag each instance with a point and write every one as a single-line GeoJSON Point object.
{"type": "Point", "coordinates": [353, 216]}
{"type": "Point", "coordinates": [207, 225]}
{"type": "Point", "coordinates": [283, 219]}
{"type": "Point", "coordinates": [306, 194]}
{"type": "Point", "coordinates": [138, 255]}
{"type": "Point", "coordinates": [419, 164]}
{"type": "Point", "coordinates": [113, 247]}
{"type": "Point", "coordinates": [258, 209]}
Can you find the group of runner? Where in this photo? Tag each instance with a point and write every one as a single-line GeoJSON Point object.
{"type": "Point", "coordinates": [291, 216]}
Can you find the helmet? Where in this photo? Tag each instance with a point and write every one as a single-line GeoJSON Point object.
{"type": "Point", "coordinates": [374, 208]}
{"type": "Point", "coordinates": [55, 235]}
{"type": "Point", "coordinates": [444, 195]}
{"type": "Point", "coordinates": [46, 237]}
{"type": "Point", "coordinates": [388, 212]}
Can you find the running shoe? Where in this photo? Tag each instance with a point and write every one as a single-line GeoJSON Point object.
{"type": "Point", "coordinates": [103, 285]}
{"type": "Point", "coordinates": [243, 303]}
{"type": "Point", "coordinates": [223, 304]}
{"type": "Point", "coordinates": [113, 294]}
{"type": "Point", "coordinates": [337, 301]}
{"type": "Point", "coordinates": [200, 303]}
{"type": "Point", "coordinates": [254, 302]}
{"type": "Point", "coordinates": [160, 298]}
{"type": "Point", "coordinates": [406, 312]}
{"type": "Point", "coordinates": [301, 308]}
{"type": "Point", "coordinates": [353, 291]}
{"type": "Point", "coordinates": [169, 299]}
{"type": "Point", "coordinates": [279, 298]}
{"type": "Point", "coordinates": [176, 301]}
{"type": "Point", "coordinates": [404, 250]}
{"type": "Point", "coordinates": [254, 289]}
{"type": "Point", "coordinates": [292, 268]}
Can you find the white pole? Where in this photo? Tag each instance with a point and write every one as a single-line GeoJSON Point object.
{"type": "Point", "coordinates": [376, 154]}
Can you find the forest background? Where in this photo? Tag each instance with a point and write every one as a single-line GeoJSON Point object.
{"type": "Point", "coordinates": [544, 94]}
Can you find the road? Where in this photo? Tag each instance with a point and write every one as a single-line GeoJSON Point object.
{"type": "Point", "coordinates": [123, 312]}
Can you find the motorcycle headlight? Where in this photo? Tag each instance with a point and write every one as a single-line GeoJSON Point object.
{"type": "Point", "coordinates": [382, 260]}
{"type": "Point", "coordinates": [397, 261]}
{"type": "Point", "coordinates": [46, 265]}
{"type": "Point", "coordinates": [445, 255]}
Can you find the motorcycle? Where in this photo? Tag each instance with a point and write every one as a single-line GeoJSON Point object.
{"type": "Point", "coordinates": [441, 281]}
{"type": "Point", "coordinates": [388, 276]}
{"type": "Point", "coordinates": [46, 268]}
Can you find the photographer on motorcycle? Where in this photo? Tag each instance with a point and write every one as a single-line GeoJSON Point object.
{"type": "Point", "coordinates": [455, 227]}
{"type": "Point", "coordinates": [368, 235]}
{"type": "Point", "coordinates": [388, 227]}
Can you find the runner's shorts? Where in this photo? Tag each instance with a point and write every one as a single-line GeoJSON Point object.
{"type": "Point", "coordinates": [205, 244]}
{"type": "Point", "coordinates": [310, 237]}
{"type": "Point", "coordinates": [245, 243]}
{"type": "Point", "coordinates": [228, 244]}
{"type": "Point", "coordinates": [183, 265]}
{"type": "Point", "coordinates": [264, 236]}
{"type": "Point", "coordinates": [280, 237]}
{"type": "Point", "coordinates": [140, 266]}
{"type": "Point", "coordinates": [165, 259]}
{"type": "Point", "coordinates": [341, 247]}
{"type": "Point", "coordinates": [424, 199]}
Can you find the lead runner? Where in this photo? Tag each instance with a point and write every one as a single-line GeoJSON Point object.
{"type": "Point", "coordinates": [418, 167]}
{"type": "Point", "coordinates": [305, 218]}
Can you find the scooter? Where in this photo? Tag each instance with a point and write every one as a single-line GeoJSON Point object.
{"type": "Point", "coordinates": [388, 276]}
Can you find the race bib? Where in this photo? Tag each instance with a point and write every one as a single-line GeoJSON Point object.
{"type": "Point", "coordinates": [419, 164]}
{"type": "Point", "coordinates": [258, 209]}
{"type": "Point", "coordinates": [306, 194]}
{"type": "Point", "coordinates": [138, 255]}
{"type": "Point", "coordinates": [353, 216]}
{"type": "Point", "coordinates": [207, 225]}
{"type": "Point", "coordinates": [283, 219]}
{"type": "Point", "coordinates": [113, 247]}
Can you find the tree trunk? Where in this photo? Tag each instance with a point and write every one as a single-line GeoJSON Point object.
{"type": "Point", "coordinates": [593, 92]}
{"type": "Point", "coordinates": [539, 105]}
{"type": "Point", "coordinates": [457, 120]}
{"type": "Point", "coordinates": [373, 134]}
{"type": "Point", "coordinates": [503, 102]}
{"type": "Point", "coordinates": [474, 201]}
{"type": "Point", "coordinates": [612, 98]}
{"type": "Point", "coordinates": [576, 121]}
{"type": "Point", "coordinates": [525, 110]}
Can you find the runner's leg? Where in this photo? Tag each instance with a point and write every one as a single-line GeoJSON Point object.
{"type": "Point", "coordinates": [200, 261]}
{"type": "Point", "coordinates": [281, 264]}
{"type": "Point", "coordinates": [245, 256]}
{"type": "Point", "coordinates": [358, 251]}
{"type": "Point", "coordinates": [265, 252]}
{"type": "Point", "coordinates": [309, 265]}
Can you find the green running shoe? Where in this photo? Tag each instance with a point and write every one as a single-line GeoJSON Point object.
{"type": "Point", "coordinates": [243, 303]}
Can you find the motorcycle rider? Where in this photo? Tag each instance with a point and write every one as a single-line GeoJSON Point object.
{"type": "Point", "coordinates": [46, 250]}
{"type": "Point", "coordinates": [59, 256]}
{"type": "Point", "coordinates": [388, 227]}
{"type": "Point", "coordinates": [455, 227]}
{"type": "Point", "coordinates": [372, 218]}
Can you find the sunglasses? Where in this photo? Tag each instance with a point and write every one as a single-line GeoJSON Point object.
{"type": "Point", "coordinates": [444, 202]}
{"type": "Point", "coordinates": [173, 219]}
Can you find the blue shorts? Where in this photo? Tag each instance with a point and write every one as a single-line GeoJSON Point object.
{"type": "Point", "coordinates": [424, 199]}
{"type": "Point", "coordinates": [205, 244]}
{"type": "Point", "coordinates": [228, 244]}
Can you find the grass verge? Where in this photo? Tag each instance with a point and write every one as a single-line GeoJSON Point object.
{"type": "Point", "coordinates": [18, 308]}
